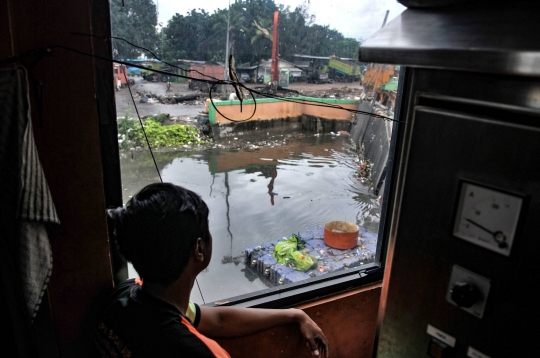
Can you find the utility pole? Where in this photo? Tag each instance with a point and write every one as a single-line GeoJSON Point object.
{"type": "Point", "coordinates": [274, 69]}
{"type": "Point", "coordinates": [226, 71]}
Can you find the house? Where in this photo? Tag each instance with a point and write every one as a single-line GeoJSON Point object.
{"type": "Point", "coordinates": [201, 71]}
{"type": "Point", "coordinates": [262, 69]}
{"type": "Point", "coordinates": [312, 64]}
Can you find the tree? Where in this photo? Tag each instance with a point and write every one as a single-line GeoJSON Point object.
{"type": "Point", "coordinates": [198, 35]}
{"type": "Point", "coordinates": [346, 48]}
{"type": "Point", "coordinates": [263, 32]}
{"type": "Point", "coordinates": [186, 36]}
{"type": "Point", "coordinates": [135, 22]}
{"type": "Point", "coordinates": [235, 19]}
{"type": "Point", "coordinates": [294, 31]}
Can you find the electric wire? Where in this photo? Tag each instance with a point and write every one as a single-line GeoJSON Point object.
{"type": "Point", "coordinates": [223, 82]}
{"type": "Point", "coordinates": [142, 127]}
{"type": "Point", "coordinates": [47, 52]}
{"type": "Point", "coordinates": [144, 49]}
{"type": "Point", "coordinates": [152, 154]}
{"type": "Point", "coordinates": [165, 73]}
{"type": "Point", "coordinates": [125, 63]}
{"type": "Point", "coordinates": [213, 81]}
{"type": "Point", "coordinates": [138, 115]}
{"type": "Point", "coordinates": [239, 85]}
{"type": "Point", "coordinates": [236, 85]}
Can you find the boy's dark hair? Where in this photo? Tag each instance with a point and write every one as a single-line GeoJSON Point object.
{"type": "Point", "coordinates": [158, 228]}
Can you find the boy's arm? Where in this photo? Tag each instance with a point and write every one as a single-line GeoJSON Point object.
{"type": "Point", "coordinates": [231, 322]}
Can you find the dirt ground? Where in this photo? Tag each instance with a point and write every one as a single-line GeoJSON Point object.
{"type": "Point", "coordinates": [125, 106]}
{"type": "Point", "coordinates": [338, 90]}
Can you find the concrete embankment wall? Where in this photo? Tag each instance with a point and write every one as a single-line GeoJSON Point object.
{"type": "Point", "coordinates": [372, 135]}
{"type": "Point", "coordinates": [280, 115]}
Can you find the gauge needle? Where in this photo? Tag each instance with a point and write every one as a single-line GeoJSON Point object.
{"type": "Point", "coordinates": [498, 236]}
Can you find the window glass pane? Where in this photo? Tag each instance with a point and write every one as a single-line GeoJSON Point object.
{"type": "Point", "coordinates": [294, 175]}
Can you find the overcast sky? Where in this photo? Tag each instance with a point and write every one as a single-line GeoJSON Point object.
{"type": "Point", "coordinates": [353, 18]}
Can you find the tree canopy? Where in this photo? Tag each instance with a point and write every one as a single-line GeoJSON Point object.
{"type": "Point", "coordinates": [136, 22]}
{"type": "Point", "coordinates": [199, 35]}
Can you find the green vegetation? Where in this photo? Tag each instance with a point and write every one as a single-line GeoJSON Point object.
{"type": "Point", "coordinates": [161, 118]}
{"type": "Point", "coordinates": [199, 35]}
{"type": "Point", "coordinates": [130, 134]}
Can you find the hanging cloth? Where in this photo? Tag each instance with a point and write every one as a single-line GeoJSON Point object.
{"type": "Point", "coordinates": [26, 204]}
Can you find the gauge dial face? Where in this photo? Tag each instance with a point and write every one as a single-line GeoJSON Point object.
{"type": "Point", "coordinates": [487, 217]}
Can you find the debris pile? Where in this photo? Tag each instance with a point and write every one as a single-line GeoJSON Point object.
{"type": "Point", "coordinates": [334, 92]}
{"type": "Point", "coordinates": [175, 98]}
{"type": "Point", "coordinates": [364, 171]}
{"type": "Point", "coordinates": [260, 258]}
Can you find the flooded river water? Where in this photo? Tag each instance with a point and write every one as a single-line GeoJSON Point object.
{"type": "Point", "coordinates": [259, 195]}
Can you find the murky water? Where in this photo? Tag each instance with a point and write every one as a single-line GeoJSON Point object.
{"type": "Point", "coordinates": [259, 196]}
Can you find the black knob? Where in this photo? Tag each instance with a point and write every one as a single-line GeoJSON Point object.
{"type": "Point", "coordinates": [465, 294]}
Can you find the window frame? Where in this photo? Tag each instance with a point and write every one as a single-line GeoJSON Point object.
{"type": "Point", "coordinates": [273, 297]}
{"type": "Point", "coordinates": [293, 293]}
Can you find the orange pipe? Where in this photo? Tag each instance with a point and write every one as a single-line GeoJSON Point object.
{"type": "Point", "coordinates": [274, 70]}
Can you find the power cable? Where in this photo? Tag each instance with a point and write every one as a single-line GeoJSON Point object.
{"type": "Point", "coordinates": [142, 126]}
{"type": "Point", "coordinates": [152, 153]}
{"type": "Point", "coordinates": [213, 81]}
{"type": "Point", "coordinates": [144, 49]}
{"type": "Point", "coordinates": [223, 82]}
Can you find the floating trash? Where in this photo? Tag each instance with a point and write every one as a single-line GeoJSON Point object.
{"type": "Point", "coordinates": [260, 258]}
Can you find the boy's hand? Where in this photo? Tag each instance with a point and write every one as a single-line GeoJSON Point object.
{"type": "Point", "coordinates": [315, 339]}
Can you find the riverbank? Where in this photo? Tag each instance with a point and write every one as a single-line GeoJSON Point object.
{"type": "Point", "coordinates": [190, 109]}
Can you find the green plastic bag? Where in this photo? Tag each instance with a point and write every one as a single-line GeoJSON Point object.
{"type": "Point", "coordinates": [284, 249]}
{"type": "Point", "coordinates": [302, 261]}
{"type": "Point", "coordinates": [286, 253]}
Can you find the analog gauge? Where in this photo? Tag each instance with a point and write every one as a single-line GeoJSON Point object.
{"type": "Point", "coordinates": [487, 217]}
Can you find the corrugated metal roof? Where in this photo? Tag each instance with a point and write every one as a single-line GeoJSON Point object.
{"type": "Point", "coordinates": [187, 62]}
{"type": "Point", "coordinates": [266, 64]}
{"type": "Point", "coordinates": [326, 57]}
{"type": "Point", "coordinates": [246, 67]}
{"type": "Point", "coordinates": [314, 57]}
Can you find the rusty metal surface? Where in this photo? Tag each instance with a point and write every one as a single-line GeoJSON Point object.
{"type": "Point", "coordinates": [348, 321]}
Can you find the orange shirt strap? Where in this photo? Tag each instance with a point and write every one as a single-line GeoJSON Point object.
{"type": "Point", "coordinates": [216, 349]}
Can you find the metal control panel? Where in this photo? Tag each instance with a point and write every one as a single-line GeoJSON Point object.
{"type": "Point", "coordinates": [468, 291]}
{"type": "Point", "coordinates": [465, 227]}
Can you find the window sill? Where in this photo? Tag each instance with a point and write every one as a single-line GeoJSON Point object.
{"type": "Point", "coordinates": [293, 294]}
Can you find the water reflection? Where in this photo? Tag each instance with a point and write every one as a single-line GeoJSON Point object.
{"type": "Point", "coordinates": [251, 204]}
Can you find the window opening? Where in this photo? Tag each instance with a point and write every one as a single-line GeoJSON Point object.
{"type": "Point", "coordinates": [280, 187]}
